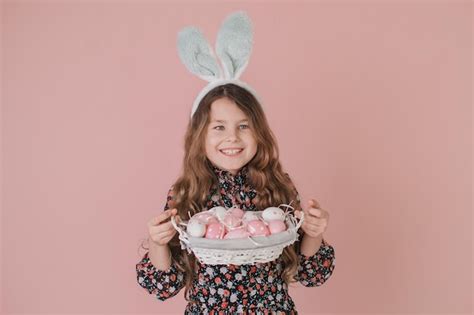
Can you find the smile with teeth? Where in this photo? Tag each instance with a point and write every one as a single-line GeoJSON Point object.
{"type": "Point", "coordinates": [231, 152]}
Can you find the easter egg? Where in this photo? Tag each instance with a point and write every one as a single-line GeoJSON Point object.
{"type": "Point", "coordinates": [257, 228]}
{"type": "Point", "coordinates": [273, 213]}
{"type": "Point", "coordinates": [215, 231]}
{"type": "Point", "coordinates": [276, 226]}
{"type": "Point", "coordinates": [219, 212]}
{"type": "Point", "coordinates": [237, 233]}
{"type": "Point", "coordinates": [196, 228]}
{"type": "Point", "coordinates": [237, 212]}
{"type": "Point", "coordinates": [250, 216]}
{"type": "Point", "coordinates": [231, 221]}
{"type": "Point", "coordinates": [205, 217]}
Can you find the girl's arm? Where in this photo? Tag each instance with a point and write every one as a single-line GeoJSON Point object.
{"type": "Point", "coordinates": [316, 261]}
{"type": "Point", "coordinates": [310, 245]}
{"type": "Point", "coordinates": [156, 273]}
{"type": "Point", "coordinates": [316, 258]}
{"type": "Point", "coordinates": [160, 256]}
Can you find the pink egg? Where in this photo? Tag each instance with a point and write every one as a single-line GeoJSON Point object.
{"type": "Point", "coordinates": [231, 221]}
{"type": "Point", "coordinates": [237, 233]}
{"type": "Point", "coordinates": [276, 226]}
{"type": "Point", "coordinates": [236, 212]}
{"type": "Point", "coordinates": [215, 230]}
{"type": "Point", "coordinates": [257, 228]}
{"type": "Point", "coordinates": [205, 217]}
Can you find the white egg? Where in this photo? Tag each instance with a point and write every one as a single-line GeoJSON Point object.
{"type": "Point", "coordinates": [219, 212]}
{"type": "Point", "coordinates": [273, 213]}
{"type": "Point", "coordinates": [196, 228]}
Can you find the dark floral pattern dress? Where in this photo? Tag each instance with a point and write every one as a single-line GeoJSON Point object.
{"type": "Point", "coordinates": [236, 289]}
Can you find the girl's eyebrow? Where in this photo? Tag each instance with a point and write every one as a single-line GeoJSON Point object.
{"type": "Point", "coordinates": [224, 121]}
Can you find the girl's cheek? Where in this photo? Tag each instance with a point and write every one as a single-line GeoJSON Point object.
{"type": "Point", "coordinates": [215, 140]}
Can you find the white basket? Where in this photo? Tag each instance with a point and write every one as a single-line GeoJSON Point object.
{"type": "Point", "coordinates": [251, 250]}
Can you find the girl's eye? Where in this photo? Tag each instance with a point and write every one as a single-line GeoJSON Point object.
{"type": "Point", "coordinates": [242, 127]}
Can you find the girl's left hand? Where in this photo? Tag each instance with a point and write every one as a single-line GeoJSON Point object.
{"type": "Point", "coordinates": [315, 219]}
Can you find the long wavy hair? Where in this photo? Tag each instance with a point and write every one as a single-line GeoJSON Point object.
{"type": "Point", "coordinates": [265, 174]}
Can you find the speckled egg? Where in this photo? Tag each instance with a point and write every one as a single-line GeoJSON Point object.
{"type": "Point", "coordinates": [237, 233]}
{"type": "Point", "coordinates": [237, 212]}
{"type": "Point", "coordinates": [205, 217]}
{"type": "Point", "coordinates": [250, 216]}
{"type": "Point", "coordinates": [276, 226]}
{"type": "Point", "coordinates": [215, 231]}
{"type": "Point", "coordinates": [231, 221]}
{"type": "Point", "coordinates": [219, 212]}
{"type": "Point", "coordinates": [196, 228]}
{"type": "Point", "coordinates": [257, 228]}
{"type": "Point", "coordinates": [273, 213]}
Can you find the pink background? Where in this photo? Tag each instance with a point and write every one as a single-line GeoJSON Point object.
{"type": "Point", "coordinates": [370, 102]}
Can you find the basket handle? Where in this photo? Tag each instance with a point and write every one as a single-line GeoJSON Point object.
{"type": "Point", "coordinates": [300, 220]}
{"type": "Point", "coordinates": [183, 236]}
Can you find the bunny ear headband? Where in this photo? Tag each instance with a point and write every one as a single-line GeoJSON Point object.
{"type": "Point", "coordinates": [233, 48]}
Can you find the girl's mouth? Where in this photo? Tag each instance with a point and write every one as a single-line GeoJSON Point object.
{"type": "Point", "coordinates": [233, 152]}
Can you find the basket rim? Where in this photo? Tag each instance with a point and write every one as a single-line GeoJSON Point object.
{"type": "Point", "coordinates": [250, 243]}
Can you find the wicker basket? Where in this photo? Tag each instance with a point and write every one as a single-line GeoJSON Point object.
{"type": "Point", "coordinates": [251, 250]}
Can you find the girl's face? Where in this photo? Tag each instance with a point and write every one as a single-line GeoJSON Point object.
{"type": "Point", "coordinates": [230, 143]}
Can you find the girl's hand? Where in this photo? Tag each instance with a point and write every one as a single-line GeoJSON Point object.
{"type": "Point", "coordinates": [315, 219]}
{"type": "Point", "coordinates": [160, 229]}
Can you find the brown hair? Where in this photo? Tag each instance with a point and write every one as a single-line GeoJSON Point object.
{"type": "Point", "coordinates": [265, 174]}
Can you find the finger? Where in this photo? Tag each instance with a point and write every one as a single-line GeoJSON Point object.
{"type": "Point", "coordinates": [162, 217]}
{"type": "Point", "coordinates": [313, 203]}
{"type": "Point", "coordinates": [313, 226]}
{"type": "Point", "coordinates": [166, 234]}
{"type": "Point", "coordinates": [163, 241]}
{"type": "Point", "coordinates": [316, 212]}
{"type": "Point", "coordinates": [159, 237]}
{"type": "Point", "coordinates": [168, 226]}
{"type": "Point", "coordinates": [298, 214]}
{"type": "Point", "coordinates": [315, 220]}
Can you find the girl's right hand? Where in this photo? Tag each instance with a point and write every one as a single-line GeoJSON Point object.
{"type": "Point", "coordinates": [160, 229]}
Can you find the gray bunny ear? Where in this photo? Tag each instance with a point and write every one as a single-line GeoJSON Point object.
{"type": "Point", "coordinates": [196, 54]}
{"type": "Point", "coordinates": [234, 44]}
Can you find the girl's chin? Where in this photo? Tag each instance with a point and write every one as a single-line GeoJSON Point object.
{"type": "Point", "coordinates": [234, 167]}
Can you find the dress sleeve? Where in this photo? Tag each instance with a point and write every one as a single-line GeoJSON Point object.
{"type": "Point", "coordinates": [314, 270]}
{"type": "Point", "coordinates": [163, 284]}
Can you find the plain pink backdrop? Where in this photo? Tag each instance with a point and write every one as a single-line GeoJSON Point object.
{"type": "Point", "coordinates": [370, 102]}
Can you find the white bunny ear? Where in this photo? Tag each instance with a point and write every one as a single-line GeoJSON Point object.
{"type": "Point", "coordinates": [234, 44]}
{"type": "Point", "coordinates": [196, 54]}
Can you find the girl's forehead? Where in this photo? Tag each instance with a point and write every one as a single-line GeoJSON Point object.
{"type": "Point", "coordinates": [223, 110]}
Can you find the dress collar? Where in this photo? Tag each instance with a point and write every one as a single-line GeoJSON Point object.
{"type": "Point", "coordinates": [224, 174]}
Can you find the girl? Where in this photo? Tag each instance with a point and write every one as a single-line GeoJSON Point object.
{"type": "Point", "coordinates": [232, 158]}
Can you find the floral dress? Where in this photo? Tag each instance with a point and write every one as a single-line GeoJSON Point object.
{"type": "Point", "coordinates": [236, 289]}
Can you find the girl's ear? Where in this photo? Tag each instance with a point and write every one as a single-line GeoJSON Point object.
{"type": "Point", "coordinates": [234, 44]}
{"type": "Point", "coordinates": [196, 54]}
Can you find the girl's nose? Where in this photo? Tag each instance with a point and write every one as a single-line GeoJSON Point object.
{"type": "Point", "coordinates": [232, 135]}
